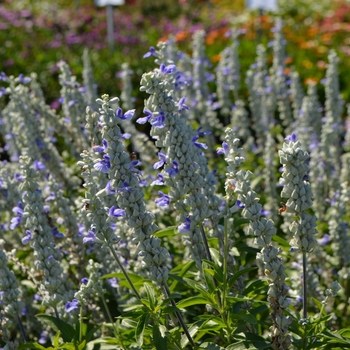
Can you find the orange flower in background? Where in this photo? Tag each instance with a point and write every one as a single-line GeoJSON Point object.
{"type": "Point", "coordinates": [311, 81]}
{"type": "Point", "coordinates": [287, 71]}
{"type": "Point", "coordinates": [307, 64]}
{"type": "Point", "coordinates": [327, 38]}
{"type": "Point", "coordinates": [216, 58]}
{"type": "Point", "coordinates": [321, 64]}
{"type": "Point", "coordinates": [211, 37]}
{"type": "Point", "coordinates": [181, 36]}
{"type": "Point", "coordinates": [288, 60]}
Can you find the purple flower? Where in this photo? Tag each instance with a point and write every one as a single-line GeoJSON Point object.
{"type": "Point", "coordinates": [159, 181]}
{"type": "Point", "coordinates": [43, 338]}
{"type": "Point", "coordinates": [72, 305]}
{"type": "Point", "coordinates": [144, 120]}
{"type": "Point", "coordinates": [134, 164]}
{"type": "Point", "coordinates": [162, 201]}
{"type": "Point", "coordinates": [109, 189]}
{"type": "Point", "coordinates": [184, 228]}
{"type": "Point", "coordinates": [125, 188]}
{"type": "Point", "coordinates": [161, 162]}
{"type": "Point", "coordinates": [113, 282]}
{"type": "Point", "coordinates": [104, 164]}
{"type": "Point", "coordinates": [126, 116]}
{"type": "Point", "coordinates": [198, 144]}
{"type": "Point", "coordinates": [239, 204]}
{"type": "Point", "coordinates": [202, 133]}
{"type": "Point", "coordinates": [181, 104]}
{"type": "Point", "coordinates": [158, 121]}
{"type": "Point", "coordinates": [28, 236]}
{"type": "Point", "coordinates": [151, 52]}
{"type": "Point", "coordinates": [171, 68]}
{"type": "Point", "coordinates": [38, 165]}
{"type": "Point", "coordinates": [23, 80]}
{"type": "Point", "coordinates": [56, 233]}
{"type": "Point", "coordinates": [18, 209]}
{"type": "Point", "coordinates": [102, 148]}
{"type": "Point", "coordinates": [174, 169]}
{"type": "Point", "coordinates": [116, 212]}
{"type": "Point", "coordinates": [91, 237]}
{"type": "Point", "coordinates": [224, 149]}
{"type": "Point", "coordinates": [324, 240]}
{"type": "Point", "coordinates": [84, 280]}
{"type": "Point", "coordinates": [50, 197]}
{"type": "Point", "coordinates": [126, 136]}
{"type": "Point", "coordinates": [71, 103]}
{"type": "Point", "coordinates": [292, 137]}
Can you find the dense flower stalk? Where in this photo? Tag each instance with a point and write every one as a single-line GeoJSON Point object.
{"type": "Point", "coordinates": [238, 183]}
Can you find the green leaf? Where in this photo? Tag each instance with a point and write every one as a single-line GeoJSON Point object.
{"type": "Point", "coordinates": [67, 331]}
{"type": "Point", "coordinates": [196, 300]}
{"type": "Point", "coordinates": [280, 241]}
{"type": "Point", "coordinates": [159, 338]}
{"type": "Point", "coordinates": [140, 328]}
{"type": "Point", "coordinates": [82, 345]}
{"type": "Point", "coordinates": [248, 317]}
{"type": "Point", "coordinates": [211, 346]}
{"type": "Point", "coordinates": [238, 274]}
{"type": "Point", "coordinates": [319, 305]}
{"type": "Point", "coordinates": [198, 287]}
{"type": "Point", "coordinates": [167, 232]}
{"type": "Point", "coordinates": [34, 346]}
{"type": "Point", "coordinates": [152, 298]}
{"type": "Point", "coordinates": [219, 276]}
{"type": "Point", "coordinates": [209, 279]}
{"type": "Point", "coordinates": [183, 269]}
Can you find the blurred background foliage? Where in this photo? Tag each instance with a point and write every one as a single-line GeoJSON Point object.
{"type": "Point", "coordinates": [36, 34]}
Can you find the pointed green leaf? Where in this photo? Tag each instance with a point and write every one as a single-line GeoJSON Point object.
{"type": "Point", "coordinates": [167, 232]}
{"type": "Point", "coordinates": [67, 331]}
{"type": "Point", "coordinates": [196, 300]}
{"type": "Point", "coordinates": [159, 338]}
{"type": "Point", "coordinates": [151, 295]}
{"type": "Point", "coordinates": [238, 274]}
{"type": "Point", "coordinates": [33, 346]}
{"type": "Point", "coordinates": [141, 328]}
{"type": "Point", "coordinates": [280, 240]}
{"type": "Point", "coordinates": [219, 276]}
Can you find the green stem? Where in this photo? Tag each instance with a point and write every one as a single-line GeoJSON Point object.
{"type": "Point", "coordinates": [20, 325]}
{"type": "Point", "coordinates": [225, 262]}
{"type": "Point", "coordinates": [124, 271]}
{"type": "Point", "coordinates": [304, 287]}
{"type": "Point", "coordinates": [179, 317]}
{"type": "Point", "coordinates": [207, 251]}
{"type": "Point", "coordinates": [81, 324]}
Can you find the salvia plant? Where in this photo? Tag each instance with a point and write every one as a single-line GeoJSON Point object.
{"type": "Point", "coordinates": [205, 219]}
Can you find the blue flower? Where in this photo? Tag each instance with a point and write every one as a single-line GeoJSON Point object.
{"type": "Point", "coordinates": [104, 164]}
{"type": "Point", "coordinates": [90, 238]}
{"type": "Point", "coordinates": [151, 52]}
{"type": "Point", "coordinates": [163, 201]}
{"type": "Point", "coordinates": [56, 233]}
{"type": "Point", "coordinates": [198, 144]}
{"type": "Point", "coordinates": [144, 120]}
{"type": "Point", "coordinates": [116, 212]}
{"type": "Point", "coordinates": [84, 280]}
{"type": "Point", "coordinates": [184, 228]}
{"type": "Point", "coordinates": [38, 165]}
{"type": "Point", "coordinates": [125, 188]}
{"type": "Point", "coordinates": [22, 79]}
{"type": "Point", "coordinates": [174, 169]}
{"type": "Point", "coordinates": [224, 149]}
{"type": "Point", "coordinates": [27, 238]}
{"type": "Point", "coordinates": [171, 68]}
{"type": "Point", "coordinates": [158, 121]}
{"type": "Point", "coordinates": [159, 181]}
{"type": "Point", "coordinates": [292, 137]}
{"type": "Point", "coordinates": [109, 189]}
{"type": "Point", "coordinates": [161, 162]}
{"type": "Point", "coordinates": [72, 305]}
{"type": "Point", "coordinates": [239, 204]}
{"type": "Point", "coordinates": [202, 133]}
{"type": "Point", "coordinates": [181, 104]}
{"type": "Point", "coordinates": [126, 116]}
{"type": "Point", "coordinates": [102, 148]}
{"type": "Point", "coordinates": [133, 164]}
